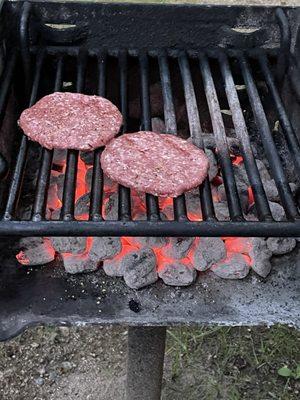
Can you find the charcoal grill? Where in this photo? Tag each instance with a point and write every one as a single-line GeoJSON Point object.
{"type": "Point", "coordinates": [46, 44]}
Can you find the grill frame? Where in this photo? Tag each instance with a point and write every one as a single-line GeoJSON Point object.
{"type": "Point", "coordinates": [181, 226]}
{"type": "Point", "coordinates": [27, 299]}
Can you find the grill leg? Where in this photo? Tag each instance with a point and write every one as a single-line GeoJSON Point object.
{"type": "Point", "coordinates": [145, 359]}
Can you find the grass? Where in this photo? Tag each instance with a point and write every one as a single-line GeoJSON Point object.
{"type": "Point", "coordinates": [232, 363]}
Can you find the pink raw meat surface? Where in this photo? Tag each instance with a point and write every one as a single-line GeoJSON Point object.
{"type": "Point", "coordinates": [71, 121]}
{"type": "Point", "coordinates": [160, 164]}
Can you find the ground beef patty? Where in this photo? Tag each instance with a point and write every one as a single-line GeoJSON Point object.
{"type": "Point", "coordinates": [71, 121]}
{"type": "Point", "coordinates": [159, 164]}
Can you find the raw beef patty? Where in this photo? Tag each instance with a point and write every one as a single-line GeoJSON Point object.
{"type": "Point", "coordinates": [159, 164]}
{"type": "Point", "coordinates": [71, 121]}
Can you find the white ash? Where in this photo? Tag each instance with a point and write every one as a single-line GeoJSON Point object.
{"type": "Point", "coordinates": [263, 171]}
{"type": "Point", "coordinates": [267, 181]}
{"type": "Point", "coordinates": [177, 274]}
{"type": "Point", "coordinates": [111, 207]}
{"type": "Point", "coordinates": [193, 203]}
{"type": "Point", "coordinates": [178, 247]}
{"type": "Point", "coordinates": [88, 178]}
{"type": "Point", "coordinates": [105, 247]}
{"type": "Point", "coordinates": [150, 241]}
{"type": "Point", "coordinates": [113, 267]}
{"type": "Point", "coordinates": [158, 125]}
{"type": "Point", "coordinates": [210, 143]}
{"type": "Point", "coordinates": [68, 244]}
{"type": "Point", "coordinates": [279, 246]}
{"type": "Point", "coordinates": [59, 157]}
{"type": "Point", "coordinates": [235, 267]}
{"type": "Point", "coordinates": [77, 263]}
{"type": "Point", "coordinates": [52, 196]}
{"type": "Point", "coordinates": [209, 251]}
{"type": "Point", "coordinates": [213, 164]}
{"type": "Point", "coordinates": [60, 186]}
{"type": "Point", "coordinates": [53, 177]}
{"type": "Point", "coordinates": [240, 174]}
{"type": "Point", "coordinates": [242, 191]}
{"type": "Point", "coordinates": [214, 193]}
{"type": "Point", "coordinates": [35, 251]}
{"type": "Point", "coordinates": [222, 212]}
{"type": "Point", "coordinates": [111, 185]}
{"type": "Point", "coordinates": [139, 268]}
{"type": "Point", "coordinates": [82, 205]}
{"type": "Point", "coordinates": [87, 157]}
{"type": "Point", "coordinates": [25, 212]}
{"type": "Point", "coordinates": [55, 214]}
{"type": "Point", "coordinates": [277, 211]}
{"type": "Point", "coordinates": [260, 257]}
{"type": "Point", "coordinates": [167, 214]}
{"type": "Point", "coordinates": [243, 184]}
{"type": "Point", "coordinates": [272, 191]}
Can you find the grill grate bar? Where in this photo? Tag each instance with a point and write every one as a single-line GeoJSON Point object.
{"type": "Point", "coordinates": [40, 202]}
{"type": "Point", "coordinates": [291, 138]}
{"type": "Point", "coordinates": [97, 177]}
{"type": "Point", "coordinates": [151, 201]}
{"type": "Point", "coordinates": [67, 210]}
{"type": "Point", "coordinates": [208, 212]}
{"type": "Point", "coordinates": [124, 204]}
{"type": "Point", "coordinates": [5, 84]}
{"type": "Point", "coordinates": [180, 211]}
{"type": "Point", "coordinates": [17, 178]}
{"type": "Point", "coordinates": [148, 228]}
{"type": "Point", "coordinates": [24, 39]}
{"type": "Point", "coordinates": [233, 200]}
{"type": "Point", "coordinates": [261, 201]}
{"type": "Point", "coordinates": [6, 80]}
{"type": "Point", "coordinates": [268, 142]}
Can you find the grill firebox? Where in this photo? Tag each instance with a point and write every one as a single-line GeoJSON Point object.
{"type": "Point", "coordinates": [239, 59]}
{"type": "Point", "coordinates": [235, 73]}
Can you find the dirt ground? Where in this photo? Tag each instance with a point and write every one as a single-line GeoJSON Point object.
{"type": "Point", "coordinates": [211, 363]}
{"type": "Point", "coordinates": [48, 363]}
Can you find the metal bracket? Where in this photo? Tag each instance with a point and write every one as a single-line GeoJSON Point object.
{"type": "Point", "coordinates": [285, 45]}
{"type": "Point", "coordinates": [145, 360]}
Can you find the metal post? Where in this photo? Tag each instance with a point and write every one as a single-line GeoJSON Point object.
{"type": "Point", "coordinates": [145, 359]}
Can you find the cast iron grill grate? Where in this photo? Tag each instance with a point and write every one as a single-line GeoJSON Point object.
{"type": "Point", "coordinates": [97, 225]}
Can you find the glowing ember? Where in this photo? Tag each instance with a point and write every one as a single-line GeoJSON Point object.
{"type": "Point", "coordinates": [238, 245]}
{"type": "Point", "coordinates": [53, 201]}
{"type": "Point", "coordinates": [194, 216]}
{"type": "Point", "coordinates": [230, 255]}
{"type": "Point", "coordinates": [139, 211]}
{"type": "Point", "coordinates": [238, 160]}
{"type": "Point", "coordinates": [250, 196]}
{"type": "Point", "coordinates": [81, 187]}
{"type": "Point", "coordinates": [22, 258]}
{"type": "Point", "coordinates": [163, 250]}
